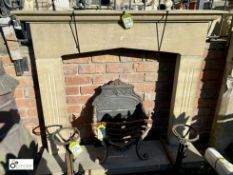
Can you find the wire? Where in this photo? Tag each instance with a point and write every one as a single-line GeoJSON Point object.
{"type": "Point", "coordinates": [76, 32]}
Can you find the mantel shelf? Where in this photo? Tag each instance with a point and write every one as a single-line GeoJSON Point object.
{"type": "Point", "coordinates": [110, 15]}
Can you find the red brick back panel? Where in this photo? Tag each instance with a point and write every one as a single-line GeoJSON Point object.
{"type": "Point", "coordinates": [146, 72]}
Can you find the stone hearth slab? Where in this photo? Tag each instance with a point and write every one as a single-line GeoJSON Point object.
{"type": "Point", "coordinates": [118, 162]}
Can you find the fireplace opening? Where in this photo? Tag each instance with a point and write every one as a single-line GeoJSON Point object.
{"type": "Point", "coordinates": [151, 74]}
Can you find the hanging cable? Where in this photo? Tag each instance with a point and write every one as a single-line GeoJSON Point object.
{"type": "Point", "coordinates": [160, 40]}
{"type": "Point", "coordinates": [76, 32]}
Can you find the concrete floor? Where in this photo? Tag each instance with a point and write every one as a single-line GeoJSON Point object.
{"type": "Point", "coordinates": [118, 162]}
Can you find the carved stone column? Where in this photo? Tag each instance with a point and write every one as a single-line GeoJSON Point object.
{"type": "Point", "coordinates": [185, 90]}
{"type": "Point", "coordinates": [52, 89]}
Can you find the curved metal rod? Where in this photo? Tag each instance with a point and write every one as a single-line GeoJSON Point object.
{"type": "Point", "coordinates": [74, 137]}
{"type": "Point", "coordinates": [182, 137]}
{"type": "Point", "coordinates": [142, 156]}
{"type": "Point", "coordinates": [185, 135]}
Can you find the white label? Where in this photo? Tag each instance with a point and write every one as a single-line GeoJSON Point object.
{"type": "Point", "coordinates": [128, 22]}
{"type": "Point", "coordinates": [101, 133]}
{"type": "Point", "coordinates": [77, 149]}
{"type": "Point", "coordinates": [20, 164]}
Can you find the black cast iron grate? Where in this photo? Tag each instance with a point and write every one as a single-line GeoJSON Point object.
{"type": "Point", "coordinates": [120, 110]}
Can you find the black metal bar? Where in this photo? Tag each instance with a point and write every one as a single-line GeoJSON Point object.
{"type": "Point", "coordinates": [37, 6]}
{"type": "Point", "coordinates": [115, 7]}
{"type": "Point", "coordinates": [188, 4]}
{"type": "Point", "coordinates": [18, 68]}
{"type": "Point", "coordinates": [211, 5]}
{"type": "Point", "coordinates": [105, 155]}
{"type": "Point", "coordinates": [173, 5]}
{"type": "Point", "coordinates": [130, 4]}
{"type": "Point", "coordinates": [144, 4]}
{"type": "Point", "coordinates": [53, 5]}
{"type": "Point", "coordinates": [100, 5]}
{"type": "Point", "coordinates": [187, 132]}
{"type": "Point", "coordinates": [225, 5]}
{"type": "Point", "coordinates": [76, 32]}
{"type": "Point", "coordinates": [180, 156]}
{"type": "Point", "coordinates": [128, 122]}
{"type": "Point", "coordinates": [142, 156]}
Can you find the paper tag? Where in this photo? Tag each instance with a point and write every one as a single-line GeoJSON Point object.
{"type": "Point", "coordinates": [101, 132]}
{"type": "Point", "coordinates": [75, 148]}
{"type": "Point", "coordinates": [127, 20]}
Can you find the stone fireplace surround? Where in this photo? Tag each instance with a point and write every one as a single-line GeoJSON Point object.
{"type": "Point", "coordinates": [54, 35]}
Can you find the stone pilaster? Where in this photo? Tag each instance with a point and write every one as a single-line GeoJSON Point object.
{"type": "Point", "coordinates": [185, 90]}
{"type": "Point", "coordinates": [52, 89]}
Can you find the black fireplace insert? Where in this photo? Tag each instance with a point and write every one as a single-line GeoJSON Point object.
{"type": "Point", "coordinates": [119, 118]}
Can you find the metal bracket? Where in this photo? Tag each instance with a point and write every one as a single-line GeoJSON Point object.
{"type": "Point", "coordinates": [21, 66]}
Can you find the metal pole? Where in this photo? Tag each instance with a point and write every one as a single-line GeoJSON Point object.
{"type": "Point", "coordinates": [225, 5]}
{"type": "Point", "coordinates": [212, 3]}
{"type": "Point", "coordinates": [188, 4]}
{"type": "Point", "coordinates": [130, 4]}
{"type": "Point", "coordinates": [100, 4]}
{"type": "Point", "coordinates": [53, 5]}
{"type": "Point", "coordinates": [37, 6]}
{"type": "Point", "coordinates": [179, 156]}
{"type": "Point", "coordinates": [115, 7]}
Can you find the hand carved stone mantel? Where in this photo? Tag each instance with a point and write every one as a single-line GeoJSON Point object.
{"type": "Point", "coordinates": [155, 31]}
{"type": "Point", "coordinates": [55, 34]}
